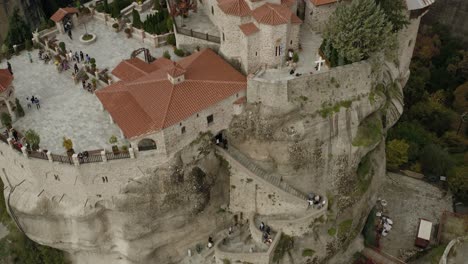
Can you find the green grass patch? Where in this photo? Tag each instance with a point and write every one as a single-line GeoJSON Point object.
{"type": "Point", "coordinates": [307, 252]}
{"type": "Point", "coordinates": [369, 132]}
{"type": "Point", "coordinates": [330, 109]}
{"type": "Point", "coordinates": [332, 231]}
{"type": "Point", "coordinates": [345, 226]}
{"type": "Point", "coordinates": [303, 98]}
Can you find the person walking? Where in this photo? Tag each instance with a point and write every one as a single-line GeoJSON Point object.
{"type": "Point", "coordinates": [76, 68]}
{"type": "Point", "coordinates": [33, 99]}
{"type": "Point", "coordinates": [70, 34]}
{"type": "Point", "coordinates": [28, 102]}
{"type": "Point", "coordinates": [38, 105]}
{"type": "Point", "coordinates": [81, 55]}
{"type": "Point", "coordinates": [9, 67]}
{"type": "Point", "coordinates": [88, 59]}
{"type": "Point", "coordinates": [77, 57]}
{"type": "Point", "coordinates": [70, 55]}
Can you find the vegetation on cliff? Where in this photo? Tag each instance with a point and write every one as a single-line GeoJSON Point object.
{"type": "Point", "coordinates": [356, 31]}
{"type": "Point", "coordinates": [18, 248]}
{"type": "Point", "coordinates": [436, 98]}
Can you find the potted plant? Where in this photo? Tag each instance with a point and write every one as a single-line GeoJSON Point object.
{"type": "Point", "coordinates": [115, 26]}
{"type": "Point", "coordinates": [113, 140]}
{"type": "Point", "coordinates": [124, 148]}
{"type": "Point", "coordinates": [94, 83]}
{"type": "Point", "coordinates": [33, 139]}
{"type": "Point", "coordinates": [68, 145]}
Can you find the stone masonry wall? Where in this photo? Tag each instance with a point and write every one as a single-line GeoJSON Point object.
{"type": "Point", "coordinates": [407, 40]}
{"type": "Point", "coordinates": [197, 123]}
{"type": "Point", "coordinates": [249, 193]}
{"type": "Point", "coordinates": [190, 43]}
{"type": "Point", "coordinates": [317, 16]}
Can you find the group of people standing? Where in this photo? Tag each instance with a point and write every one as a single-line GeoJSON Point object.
{"type": "Point", "coordinates": [266, 233]}
{"type": "Point", "coordinates": [33, 101]}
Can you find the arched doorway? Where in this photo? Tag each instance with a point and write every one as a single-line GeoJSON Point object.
{"type": "Point", "coordinates": [146, 144]}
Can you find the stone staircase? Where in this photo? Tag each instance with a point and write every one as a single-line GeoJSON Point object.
{"type": "Point", "coordinates": [269, 177]}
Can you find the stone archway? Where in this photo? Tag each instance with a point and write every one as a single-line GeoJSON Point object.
{"type": "Point", "coordinates": [146, 144]}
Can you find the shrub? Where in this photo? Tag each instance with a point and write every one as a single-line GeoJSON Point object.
{"type": "Point", "coordinates": [157, 23]}
{"type": "Point", "coordinates": [113, 139]}
{"type": "Point", "coordinates": [331, 231]}
{"type": "Point", "coordinates": [6, 119]}
{"type": "Point", "coordinates": [179, 52]}
{"type": "Point", "coordinates": [67, 144]}
{"type": "Point", "coordinates": [62, 46]}
{"type": "Point", "coordinates": [307, 252]}
{"type": "Point", "coordinates": [171, 40]}
{"type": "Point", "coordinates": [124, 148]}
{"type": "Point", "coordinates": [397, 153]}
{"type": "Point", "coordinates": [435, 161]}
{"type": "Point", "coordinates": [167, 55]}
{"type": "Point", "coordinates": [115, 25]}
{"type": "Point", "coordinates": [169, 24]}
{"type": "Point", "coordinates": [33, 139]}
{"type": "Point", "coordinates": [295, 57]}
{"type": "Point", "coordinates": [19, 108]}
{"type": "Point", "coordinates": [136, 19]}
{"type": "Point", "coordinates": [285, 244]}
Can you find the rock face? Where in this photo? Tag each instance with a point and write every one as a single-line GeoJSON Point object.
{"type": "Point", "coordinates": [30, 11]}
{"type": "Point", "coordinates": [323, 133]}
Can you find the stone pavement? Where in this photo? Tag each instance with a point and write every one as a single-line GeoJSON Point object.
{"type": "Point", "coordinates": [110, 47]}
{"type": "Point", "coordinates": [66, 109]}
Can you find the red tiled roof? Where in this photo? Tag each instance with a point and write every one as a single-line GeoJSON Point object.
{"type": "Point", "coordinates": [132, 69]}
{"type": "Point", "coordinates": [288, 3]}
{"type": "Point", "coordinates": [176, 70]}
{"type": "Point", "coordinates": [272, 14]}
{"type": "Point", "coordinates": [234, 7]}
{"type": "Point", "coordinates": [249, 28]}
{"type": "Point", "coordinates": [5, 79]}
{"type": "Point", "coordinates": [151, 102]}
{"type": "Point", "coordinates": [322, 2]}
{"type": "Point", "coordinates": [62, 12]}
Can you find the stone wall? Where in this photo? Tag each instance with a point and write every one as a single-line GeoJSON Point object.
{"type": "Point", "coordinates": [406, 41]}
{"type": "Point", "coordinates": [197, 123]}
{"type": "Point", "coordinates": [317, 16]}
{"type": "Point", "coordinates": [251, 194]}
{"type": "Point", "coordinates": [190, 43]}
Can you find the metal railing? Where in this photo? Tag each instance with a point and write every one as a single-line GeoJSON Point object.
{"type": "Point", "coordinates": [195, 34]}
{"type": "Point", "coordinates": [38, 155]}
{"type": "Point", "coordinates": [89, 158]}
{"type": "Point", "coordinates": [62, 159]}
{"type": "Point", "coordinates": [120, 155]}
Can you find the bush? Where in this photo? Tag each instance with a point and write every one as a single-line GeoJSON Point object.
{"type": "Point", "coordinates": [179, 52]}
{"type": "Point", "coordinates": [6, 119]}
{"type": "Point", "coordinates": [115, 25]}
{"type": "Point", "coordinates": [157, 23]}
{"type": "Point", "coordinates": [19, 108]}
{"type": "Point", "coordinates": [167, 55]}
{"type": "Point", "coordinates": [295, 57]}
{"type": "Point", "coordinates": [28, 45]}
{"type": "Point", "coordinates": [307, 252]}
{"type": "Point", "coordinates": [113, 139]}
{"type": "Point", "coordinates": [67, 144]}
{"type": "Point", "coordinates": [435, 161]}
{"type": "Point", "coordinates": [397, 153]}
{"type": "Point", "coordinates": [171, 40]}
{"type": "Point", "coordinates": [169, 24]}
{"type": "Point", "coordinates": [136, 19]}
{"type": "Point", "coordinates": [331, 231]}
{"type": "Point", "coordinates": [33, 139]}
{"type": "Point", "coordinates": [62, 46]}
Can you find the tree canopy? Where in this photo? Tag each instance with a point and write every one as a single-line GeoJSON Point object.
{"type": "Point", "coordinates": [395, 12]}
{"type": "Point", "coordinates": [397, 153]}
{"type": "Point", "coordinates": [358, 30]}
{"type": "Point", "coordinates": [18, 30]}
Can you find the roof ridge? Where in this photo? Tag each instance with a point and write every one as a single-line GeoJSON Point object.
{"type": "Point", "coordinates": [168, 106]}
{"type": "Point", "coordinates": [279, 14]}
{"type": "Point", "coordinates": [213, 81]}
{"type": "Point", "coordinates": [126, 61]}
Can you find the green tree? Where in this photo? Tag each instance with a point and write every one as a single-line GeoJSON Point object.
{"type": "Point", "coordinates": [33, 139]}
{"type": "Point", "coordinates": [435, 161]}
{"type": "Point", "coordinates": [136, 19]}
{"type": "Point", "coordinates": [116, 8]}
{"type": "Point", "coordinates": [157, 5]}
{"type": "Point", "coordinates": [395, 11]}
{"type": "Point", "coordinates": [434, 116]}
{"type": "Point", "coordinates": [6, 119]}
{"type": "Point", "coordinates": [18, 30]}
{"type": "Point", "coordinates": [19, 108]}
{"type": "Point", "coordinates": [358, 30]}
{"type": "Point", "coordinates": [458, 183]}
{"type": "Point", "coordinates": [167, 55]}
{"type": "Point", "coordinates": [106, 7]}
{"type": "Point", "coordinates": [397, 153]}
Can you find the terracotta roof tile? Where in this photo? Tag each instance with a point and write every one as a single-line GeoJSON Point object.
{"type": "Point", "coordinates": [288, 3]}
{"type": "Point", "coordinates": [152, 103]}
{"type": "Point", "coordinates": [176, 70]}
{"type": "Point", "coordinates": [62, 12]}
{"type": "Point", "coordinates": [273, 14]}
{"type": "Point", "coordinates": [129, 70]}
{"type": "Point", "coordinates": [5, 79]}
{"type": "Point", "coordinates": [249, 28]}
{"type": "Point", "coordinates": [234, 7]}
{"type": "Point", "coordinates": [322, 2]}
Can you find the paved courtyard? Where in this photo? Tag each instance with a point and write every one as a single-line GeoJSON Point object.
{"type": "Point", "coordinates": [110, 47]}
{"type": "Point", "coordinates": [310, 43]}
{"type": "Point", "coordinates": [66, 109]}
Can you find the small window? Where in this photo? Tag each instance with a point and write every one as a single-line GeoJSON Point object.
{"type": "Point", "coordinates": [224, 39]}
{"type": "Point", "coordinates": [180, 124]}
{"type": "Point", "coordinates": [256, 53]}
{"type": "Point", "coordinates": [237, 95]}
{"type": "Point", "coordinates": [212, 10]}
{"type": "Point", "coordinates": [410, 42]}
{"type": "Point", "coordinates": [198, 115]}
{"type": "Point", "coordinates": [182, 130]}
{"type": "Point", "coordinates": [290, 42]}
{"type": "Point", "coordinates": [210, 119]}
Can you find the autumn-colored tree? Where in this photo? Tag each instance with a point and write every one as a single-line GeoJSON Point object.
{"type": "Point", "coordinates": [397, 153]}
{"type": "Point", "coordinates": [427, 46]}
{"type": "Point", "coordinates": [460, 95]}
{"type": "Point", "coordinates": [183, 7]}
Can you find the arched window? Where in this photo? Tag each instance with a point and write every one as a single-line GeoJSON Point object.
{"type": "Point", "coordinates": [146, 144]}
{"type": "Point", "coordinates": [212, 10]}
